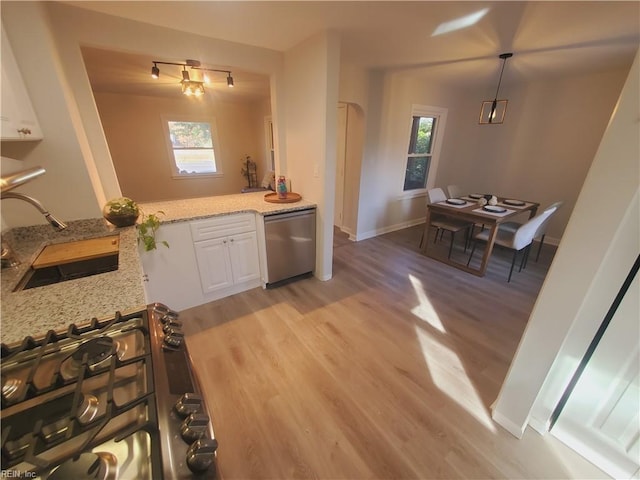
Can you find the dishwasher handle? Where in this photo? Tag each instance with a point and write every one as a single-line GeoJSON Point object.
{"type": "Point", "coordinates": [274, 217]}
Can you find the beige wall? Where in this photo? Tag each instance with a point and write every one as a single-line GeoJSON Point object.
{"type": "Point", "coordinates": [545, 147]}
{"type": "Point", "coordinates": [134, 130]}
{"type": "Point", "coordinates": [542, 152]}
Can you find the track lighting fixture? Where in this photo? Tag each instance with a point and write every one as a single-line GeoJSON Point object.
{"type": "Point", "coordinates": [492, 111]}
{"type": "Point", "coordinates": [190, 87]}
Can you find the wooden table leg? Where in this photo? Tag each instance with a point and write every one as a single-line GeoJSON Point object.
{"type": "Point", "coordinates": [488, 249]}
{"type": "Point", "coordinates": [425, 235]}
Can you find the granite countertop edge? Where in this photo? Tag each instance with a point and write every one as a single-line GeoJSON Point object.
{"type": "Point", "coordinates": [205, 207]}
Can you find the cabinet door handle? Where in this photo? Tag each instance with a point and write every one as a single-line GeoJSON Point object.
{"type": "Point", "coordinates": [24, 131]}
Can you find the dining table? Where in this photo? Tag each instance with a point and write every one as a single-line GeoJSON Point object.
{"type": "Point", "coordinates": [468, 208]}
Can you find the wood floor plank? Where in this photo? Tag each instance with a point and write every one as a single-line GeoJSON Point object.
{"type": "Point", "coordinates": [386, 371]}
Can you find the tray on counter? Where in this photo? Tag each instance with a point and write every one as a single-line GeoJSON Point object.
{"type": "Point", "coordinates": [291, 198]}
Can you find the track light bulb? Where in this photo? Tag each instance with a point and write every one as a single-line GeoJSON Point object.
{"type": "Point", "coordinates": [155, 71]}
{"type": "Point", "coordinates": [229, 81]}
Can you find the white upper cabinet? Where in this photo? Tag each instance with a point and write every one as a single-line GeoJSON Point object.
{"type": "Point", "coordinates": [18, 120]}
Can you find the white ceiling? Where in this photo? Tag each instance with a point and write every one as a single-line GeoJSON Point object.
{"type": "Point", "coordinates": [547, 38]}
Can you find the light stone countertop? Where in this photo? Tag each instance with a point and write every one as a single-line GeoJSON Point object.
{"type": "Point", "coordinates": [197, 208]}
{"type": "Point", "coordinates": [35, 311]}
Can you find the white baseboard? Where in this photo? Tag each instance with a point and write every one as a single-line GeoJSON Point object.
{"type": "Point", "coordinates": [323, 278]}
{"type": "Point", "coordinates": [388, 229]}
{"type": "Point", "coordinates": [511, 427]}
{"type": "Point", "coordinates": [348, 231]}
{"type": "Point", "coordinates": [539, 426]}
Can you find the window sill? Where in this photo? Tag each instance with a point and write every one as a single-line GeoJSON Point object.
{"type": "Point", "coordinates": [191, 176]}
{"type": "Point", "coordinates": [412, 194]}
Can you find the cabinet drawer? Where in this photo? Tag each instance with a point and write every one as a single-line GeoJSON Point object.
{"type": "Point", "coordinates": [222, 226]}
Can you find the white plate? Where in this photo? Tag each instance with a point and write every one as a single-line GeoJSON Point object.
{"type": "Point", "coordinates": [456, 201]}
{"type": "Point", "coordinates": [494, 209]}
{"type": "Point", "coordinates": [476, 195]}
{"type": "Point", "coordinates": [515, 203]}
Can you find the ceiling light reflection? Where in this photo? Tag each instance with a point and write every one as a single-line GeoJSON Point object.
{"type": "Point", "coordinates": [460, 23]}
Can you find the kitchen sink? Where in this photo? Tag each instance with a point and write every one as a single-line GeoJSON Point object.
{"type": "Point", "coordinates": [67, 261]}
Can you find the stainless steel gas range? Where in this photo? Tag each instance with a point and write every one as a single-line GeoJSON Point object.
{"type": "Point", "coordinates": [116, 399]}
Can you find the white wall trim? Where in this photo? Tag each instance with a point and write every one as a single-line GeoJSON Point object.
{"type": "Point", "coordinates": [513, 428]}
{"type": "Point", "coordinates": [540, 426]}
{"type": "Point", "coordinates": [348, 231]}
{"type": "Point", "coordinates": [388, 229]}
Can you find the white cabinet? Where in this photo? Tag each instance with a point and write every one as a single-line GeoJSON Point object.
{"type": "Point", "coordinates": [18, 120]}
{"type": "Point", "coordinates": [206, 260]}
{"type": "Point", "coordinates": [214, 264]}
{"type": "Point", "coordinates": [171, 274]}
{"type": "Point", "coordinates": [226, 250]}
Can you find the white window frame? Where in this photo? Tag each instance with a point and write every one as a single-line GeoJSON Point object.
{"type": "Point", "coordinates": [269, 143]}
{"type": "Point", "coordinates": [440, 114]}
{"type": "Point", "coordinates": [175, 173]}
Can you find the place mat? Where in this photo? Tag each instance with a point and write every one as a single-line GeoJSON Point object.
{"type": "Point", "coordinates": [454, 206]}
{"type": "Point", "coordinates": [517, 207]}
{"type": "Point", "coordinates": [495, 214]}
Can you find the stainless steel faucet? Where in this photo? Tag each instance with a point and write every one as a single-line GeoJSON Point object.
{"type": "Point", "coordinates": [55, 223]}
{"type": "Point", "coordinates": [8, 257]}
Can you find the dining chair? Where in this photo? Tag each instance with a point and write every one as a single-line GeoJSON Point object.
{"type": "Point", "coordinates": [513, 226]}
{"type": "Point", "coordinates": [443, 223]}
{"type": "Point", "coordinates": [519, 240]}
{"type": "Point", "coordinates": [454, 191]}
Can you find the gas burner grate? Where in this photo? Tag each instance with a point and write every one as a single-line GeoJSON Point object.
{"type": "Point", "coordinates": [28, 442]}
{"type": "Point", "coordinates": [35, 353]}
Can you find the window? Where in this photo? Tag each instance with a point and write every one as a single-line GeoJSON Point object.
{"type": "Point", "coordinates": [192, 147]}
{"type": "Point", "coordinates": [419, 156]}
{"type": "Point", "coordinates": [427, 124]}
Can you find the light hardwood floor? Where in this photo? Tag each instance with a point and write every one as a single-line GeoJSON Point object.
{"type": "Point", "coordinates": [388, 370]}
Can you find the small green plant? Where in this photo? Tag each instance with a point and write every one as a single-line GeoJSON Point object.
{"type": "Point", "coordinates": [147, 231]}
{"type": "Point", "coordinates": [121, 206]}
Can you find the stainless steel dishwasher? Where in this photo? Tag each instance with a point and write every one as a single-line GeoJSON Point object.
{"type": "Point", "coordinates": [291, 244]}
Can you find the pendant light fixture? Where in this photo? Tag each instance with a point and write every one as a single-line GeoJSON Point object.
{"type": "Point", "coordinates": [190, 87]}
{"type": "Point", "coordinates": [492, 111]}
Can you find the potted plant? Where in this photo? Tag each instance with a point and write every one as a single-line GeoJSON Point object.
{"type": "Point", "coordinates": [124, 212]}
{"type": "Point", "coordinates": [121, 212]}
{"type": "Point", "coordinates": [147, 231]}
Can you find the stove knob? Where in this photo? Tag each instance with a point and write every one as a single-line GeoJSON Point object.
{"type": "Point", "coordinates": [173, 324]}
{"type": "Point", "coordinates": [200, 454]}
{"type": "Point", "coordinates": [194, 427]}
{"type": "Point", "coordinates": [173, 330]}
{"type": "Point", "coordinates": [170, 316]}
{"type": "Point", "coordinates": [162, 309]}
{"type": "Point", "coordinates": [189, 403]}
{"type": "Point", "coordinates": [174, 339]}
